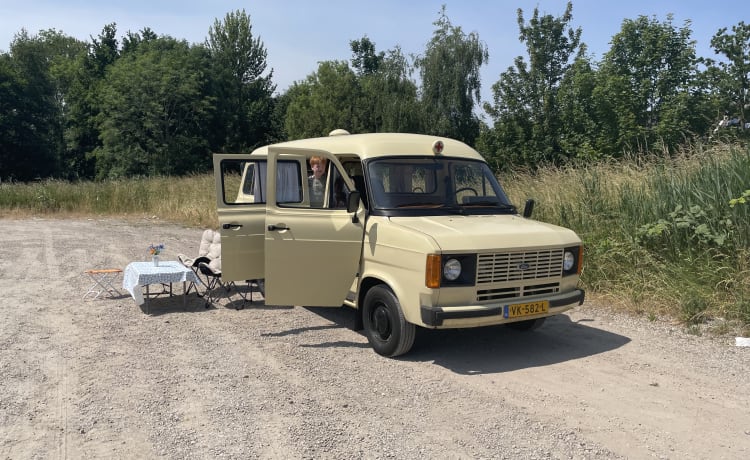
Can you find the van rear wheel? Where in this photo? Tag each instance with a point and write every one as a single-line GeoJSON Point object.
{"type": "Point", "coordinates": [386, 328]}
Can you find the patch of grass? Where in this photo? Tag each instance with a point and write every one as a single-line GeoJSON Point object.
{"type": "Point", "coordinates": [656, 228]}
{"type": "Point", "coordinates": [188, 200]}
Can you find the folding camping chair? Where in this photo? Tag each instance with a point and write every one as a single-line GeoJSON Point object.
{"type": "Point", "coordinates": [212, 272]}
{"type": "Point", "coordinates": [209, 249]}
{"type": "Point", "coordinates": [102, 278]}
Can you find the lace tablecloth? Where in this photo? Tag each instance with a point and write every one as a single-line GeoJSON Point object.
{"type": "Point", "coordinates": [139, 274]}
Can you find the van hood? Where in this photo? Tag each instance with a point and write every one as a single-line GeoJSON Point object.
{"type": "Point", "coordinates": [487, 232]}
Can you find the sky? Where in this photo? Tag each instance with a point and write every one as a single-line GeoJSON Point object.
{"type": "Point", "coordinates": [298, 34]}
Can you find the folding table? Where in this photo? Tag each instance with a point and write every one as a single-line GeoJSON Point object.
{"type": "Point", "coordinates": [102, 278]}
{"type": "Point", "coordinates": [139, 274]}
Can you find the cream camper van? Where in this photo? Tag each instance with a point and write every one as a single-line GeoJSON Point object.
{"type": "Point", "coordinates": [409, 230]}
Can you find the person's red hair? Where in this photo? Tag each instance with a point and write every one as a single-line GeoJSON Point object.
{"type": "Point", "coordinates": [317, 160]}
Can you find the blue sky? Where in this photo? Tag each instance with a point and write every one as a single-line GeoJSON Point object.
{"type": "Point", "coordinates": [298, 34]}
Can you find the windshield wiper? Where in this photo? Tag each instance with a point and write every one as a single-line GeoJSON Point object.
{"type": "Point", "coordinates": [420, 205]}
{"type": "Point", "coordinates": [490, 204]}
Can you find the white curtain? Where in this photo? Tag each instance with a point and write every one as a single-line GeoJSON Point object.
{"type": "Point", "coordinates": [287, 182]}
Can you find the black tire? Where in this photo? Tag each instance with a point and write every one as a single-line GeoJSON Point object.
{"type": "Point", "coordinates": [386, 328]}
{"type": "Point", "coordinates": [527, 325]}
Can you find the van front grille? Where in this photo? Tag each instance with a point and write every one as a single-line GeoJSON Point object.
{"type": "Point", "coordinates": [486, 295]}
{"type": "Point", "coordinates": [517, 266]}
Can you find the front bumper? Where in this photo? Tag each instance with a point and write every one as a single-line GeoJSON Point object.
{"type": "Point", "coordinates": [435, 316]}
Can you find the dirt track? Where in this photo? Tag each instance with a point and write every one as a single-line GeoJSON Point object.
{"type": "Point", "coordinates": [103, 379]}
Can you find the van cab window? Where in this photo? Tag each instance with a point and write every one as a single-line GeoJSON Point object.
{"type": "Point", "coordinates": [435, 183]}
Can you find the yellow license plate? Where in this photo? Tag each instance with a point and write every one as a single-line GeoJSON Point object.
{"type": "Point", "coordinates": [519, 310]}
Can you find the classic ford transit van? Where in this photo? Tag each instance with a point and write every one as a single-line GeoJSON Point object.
{"type": "Point", "coordinates": [409, 230]}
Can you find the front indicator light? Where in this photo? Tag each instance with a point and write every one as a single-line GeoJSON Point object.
{"type": "Point", "coordinates": [432, 271]}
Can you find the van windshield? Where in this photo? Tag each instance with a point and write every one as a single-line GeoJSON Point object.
{"type": "Point", "coordinates": [438, 184]}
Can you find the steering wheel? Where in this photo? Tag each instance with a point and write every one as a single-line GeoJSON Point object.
{"type": "Point", "coordinates": [417, 190]}
{"type": "Point", "coordinates": [467, 189]}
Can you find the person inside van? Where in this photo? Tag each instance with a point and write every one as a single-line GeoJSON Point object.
{"type": "Point", "coordinates": [317, 181]}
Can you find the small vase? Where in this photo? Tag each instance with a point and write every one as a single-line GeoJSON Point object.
{"type": "Point", "coordinates": [156, 260]}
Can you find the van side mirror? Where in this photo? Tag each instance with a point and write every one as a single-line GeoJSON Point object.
{"type": "Point", "coordinates": [528, 208]}
{"type": "Point", "coordinates": [352, 204]}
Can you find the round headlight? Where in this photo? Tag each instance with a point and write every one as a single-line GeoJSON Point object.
{"type": "Point", "coordinates": [569, 261]}
{"type": "Point", "coordinates": [452, 269]}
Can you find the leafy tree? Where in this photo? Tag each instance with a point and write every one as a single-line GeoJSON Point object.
{"type": "Point", "coordinates": [104, 51]}
{"type": "Point", "coordinates": [67, 60]}
{"type": "Point", "coordinates": [374, 95]}
{"type": "Point", "coordinates": [31, 117]}
{"type": "Point", "coordinates": [132, 40]}
{"type": "Point", "coordinates": [735, 84]}
{"type": "Point", "coordinates": [153, 111]}
{"type": "Point", "coordinates": [15, 130]}
{"type": "Point", "coordinates": [451, 83]}
{"type": "Point", "coordinates": [243, 92]}
{"type": "Point", "coordinates": [364, 58]}
{"type": "Point", "coordinates": [388, 99]}
{"type": "Point", "coordinates": [581, 134]}
{"type": "Point", "coordinates": [85, 74]}
{"type": "Point", "coordinates": [326, 100]}
{"type": "Point", "coordinates": [645, 83]}
{"type": "Point", "coordinates": [526, 112]}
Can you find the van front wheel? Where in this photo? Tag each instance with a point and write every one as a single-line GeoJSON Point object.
{"type": "Point", "coordinates": [385, 326]}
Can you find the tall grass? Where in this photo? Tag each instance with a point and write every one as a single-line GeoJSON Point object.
{"type": "Point", "coordinates": [189, 200]}
{"type": "Point", "coordinates": [661, 238]}
{"type": "Point", "coordinates": [660, 235]}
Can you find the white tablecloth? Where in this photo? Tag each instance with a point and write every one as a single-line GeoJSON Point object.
{"type": "Point", "coordinates": [139, 274]}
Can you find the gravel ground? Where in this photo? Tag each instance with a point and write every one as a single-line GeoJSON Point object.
{"type": "Point", "coordinates": [105, 379]}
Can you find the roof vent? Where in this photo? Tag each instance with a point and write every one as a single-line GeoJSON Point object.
{"type": "Point", "coordinates": [339, 132]}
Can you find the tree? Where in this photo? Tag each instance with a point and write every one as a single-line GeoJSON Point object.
{"type": "Point", "coordinates": [374, 95]}
{"type": "Point", "coordinates": [645, 83]}
{"type": "Point", "coordinates": [388, 97]}
{"type": "Point", "coordinates": [581, 133]}
{"type": "Point", "coordinates": [364, 58]}
{"type": "Point", "coordinates": [154, 110]}
{"type": "Point", "coordinates": [66, 65]}
{"type": "Point", "coordinates": [526, 112]}
{"type": "Point", "coordinates": [104, 51]}
{"type": "Point", "coordinates": [327, 99]}
{"type": "Point", "coordinates": [132, 40]}
{"type": "Point", "coordinates": [242, 90]}
{"type": "Point", "coordinates": [85, 74]}
{"type": "Point", "coordinates": [735, 85]}
{"type": "Point", "coordinates": [31, 120]}
{"type": "Point", "coordinates": [451, 83]}
{"type": "Point", "coordinates": [16, 161]}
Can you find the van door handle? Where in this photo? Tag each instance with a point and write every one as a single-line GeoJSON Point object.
{"type": "Point", "coordinates": [231, 226]}
{"type": "Point", "coordinates": [278, 227]}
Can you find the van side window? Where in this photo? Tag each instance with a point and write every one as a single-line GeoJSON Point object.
{"type": "Point", "coordinates": [244, 182]}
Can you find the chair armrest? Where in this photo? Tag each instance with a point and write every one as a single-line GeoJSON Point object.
{"type": "Point", "coordinates": [200, 260]}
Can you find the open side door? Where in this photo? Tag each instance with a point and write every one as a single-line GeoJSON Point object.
{"type": "Point", "coordinates": [241, 208]}
{"type": "Point", "coordinates": [312, 252]}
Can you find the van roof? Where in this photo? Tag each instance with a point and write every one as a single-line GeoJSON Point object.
{"type": "Point", "coordinates": [375, 145]}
